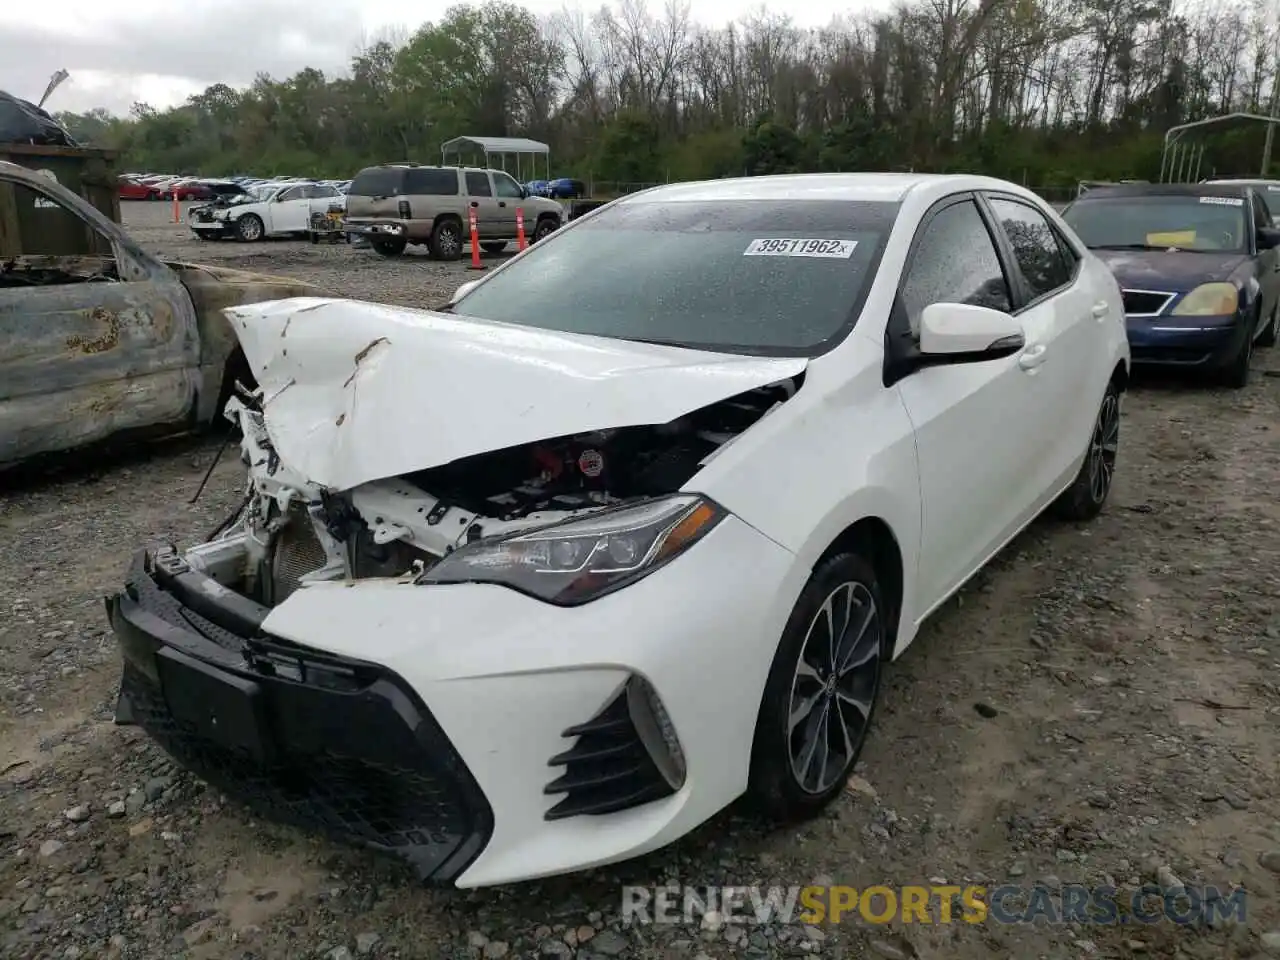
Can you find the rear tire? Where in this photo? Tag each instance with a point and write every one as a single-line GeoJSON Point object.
{"type": "Point", "coordinates": [821, 692]}
{"type": "Point", "coordinates": [446, 240]}
{"type": "Point", "coordinates": [1086, 496]}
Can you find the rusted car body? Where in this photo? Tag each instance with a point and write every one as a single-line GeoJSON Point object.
{"type": "Point", "coordinates": [98, 338]}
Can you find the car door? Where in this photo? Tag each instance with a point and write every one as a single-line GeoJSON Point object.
{"type": "Point", "coordinates": [480, 196]}
{"type": "Point", "coordinates": [509, 196]}
{"type": "Point", "coordinates": [1268, 260]}
{"type": "Point", "coordinates": [1065, 348]}
{"type": "Point", "coordinates": [291, 210]}
{"type": "Point", "coordinates": [92, 345]}
{"type": "Point", "coordinates": [973, 421]}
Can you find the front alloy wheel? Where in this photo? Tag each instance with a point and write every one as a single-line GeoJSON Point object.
{"type": "Point", "coordinates": [821, 691]}
{"type": "Point", "coordinates": [833, 686]}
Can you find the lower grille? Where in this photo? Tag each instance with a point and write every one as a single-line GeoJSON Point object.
{"type": "Point", "coordinates": [608, 769]}
{"type": "Point", "coordinates": [344, 748]}
{"type": "Point", "coordinates": [1145, 303]}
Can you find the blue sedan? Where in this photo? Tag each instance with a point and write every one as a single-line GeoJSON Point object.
{"type": "Point", "coordinates": [1198, 267]}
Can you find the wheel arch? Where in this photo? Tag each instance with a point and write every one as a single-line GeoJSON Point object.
{"type": "Point", "coordinates": [873, 538]}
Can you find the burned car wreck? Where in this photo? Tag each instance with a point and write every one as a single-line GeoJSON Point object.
{"type": "Point", "coordinates": [126, 345]}
{"type": "Point", "coordinates": [574, 497]}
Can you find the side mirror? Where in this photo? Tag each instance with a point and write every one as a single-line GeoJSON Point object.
{"type": "Point", "coordinates": [462, 291]}
{"type": "Point", "coordinates": [964, 333]}
{"type": "Point", "coordinates": [1268, 238]}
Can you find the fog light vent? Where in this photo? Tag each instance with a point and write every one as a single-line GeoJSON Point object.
{"type": "Point", "coordinates": [625, 756]}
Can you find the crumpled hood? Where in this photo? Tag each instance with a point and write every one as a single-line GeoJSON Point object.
{"type": "Point", "coordinates": [355, 392]}
{"type": "Point", "coordinates": [1176, 272]}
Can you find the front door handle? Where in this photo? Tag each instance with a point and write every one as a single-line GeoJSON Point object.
{"type": "Point", "coordinates": [1032, 357]}
{"type": "Point", "coordinates": [475, 203]}
{"type": "Point", "coordinates": [1100, 310]}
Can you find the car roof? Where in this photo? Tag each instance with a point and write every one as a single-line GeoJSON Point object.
{"type": "Point", "coordinates": [884, 187]}
{"type": "Point", "coordinates": [1122, 190]}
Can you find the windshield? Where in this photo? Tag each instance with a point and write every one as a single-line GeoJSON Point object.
{"type": "Point", "coordinates": [746, 276]}
{"type": "Point", "coordinates": [1161, 222]}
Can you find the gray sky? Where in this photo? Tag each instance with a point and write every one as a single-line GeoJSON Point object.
{"type": "Point", "coordinates": [161, 51]}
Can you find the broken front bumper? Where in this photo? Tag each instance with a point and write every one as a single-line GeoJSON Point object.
{"type": "Point", "coordinates": [323, 742]}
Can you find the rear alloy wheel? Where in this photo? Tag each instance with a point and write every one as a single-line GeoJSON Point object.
{"type": "Point", "coordinates": [249, 228]}
{"type": "Point", "coordinates": [1270, 335]}
{"type": "Point", "coordinates": [821, 691]}
{"type": "Point", "coordinates": [446, 240]}
{"type": "Point", "coordinates": [1084, 499]}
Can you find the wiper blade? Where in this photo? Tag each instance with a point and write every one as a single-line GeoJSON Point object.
{"type": "Point", "coordinates": [1133, 246]}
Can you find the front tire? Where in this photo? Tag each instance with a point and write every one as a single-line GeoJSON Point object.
{"type": "Point", "coordinates": [1084, 499]}
{"type": "Point", "coordinates": [249, 228]}
{"type": "Point", "coordinates": [1235, 375]}
{"type": "Point", "coordinates": [1269, 335]}
{"type": "Point", "coordinates": [821, 691]}
{"type": "Point", "coordinates": [545, 227]}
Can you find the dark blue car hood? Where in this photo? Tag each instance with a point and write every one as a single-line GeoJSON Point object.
{"type": "Point", "coordinates": [1176, 272]}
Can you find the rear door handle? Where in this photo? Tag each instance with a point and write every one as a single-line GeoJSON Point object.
{"type": "Point", "coordinates": [503, 203]}
{"type": "Point", "coordinates": [475, 203]}
{"type": "Point", "coordinates": [1100, 310]}
{"type": "Point", "coordinates": [1032, 357]}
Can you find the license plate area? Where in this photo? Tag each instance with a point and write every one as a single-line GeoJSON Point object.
{"type": "Point", "coordinates": [227, 709]}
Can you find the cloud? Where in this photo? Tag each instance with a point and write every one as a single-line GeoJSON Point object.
{"type": "Point", "coordinates": [165, 55]}
{"type": "Point", "coordinates": [162, 51]}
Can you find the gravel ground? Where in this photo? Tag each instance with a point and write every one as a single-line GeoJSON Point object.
{"type": "Point", "coordinates": [1099, 706]}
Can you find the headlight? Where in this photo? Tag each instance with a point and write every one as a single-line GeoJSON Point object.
{"type": "Point", "coordinates": [578, 560]}
{"type": "Point", "coordinates": [1209, 300]}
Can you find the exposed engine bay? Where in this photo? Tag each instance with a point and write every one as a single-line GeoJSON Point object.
{"type": "Point", "coordinates": [289, 532]}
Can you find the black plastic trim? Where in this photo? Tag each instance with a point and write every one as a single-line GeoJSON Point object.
{"type": "Point", "coordinates": [608, 769]}
{"type": "Point", "coordinates": [328, 743]}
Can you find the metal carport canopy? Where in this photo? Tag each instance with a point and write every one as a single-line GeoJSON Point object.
{"type": "Point", "coordinates": [501, 147]}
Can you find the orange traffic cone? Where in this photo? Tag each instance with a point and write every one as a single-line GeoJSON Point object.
{"type": "Point", "coordinates": [475, 263]}
{"type": "Point", "coordinates": [520, 241]}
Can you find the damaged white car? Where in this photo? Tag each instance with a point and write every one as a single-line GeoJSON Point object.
{"type": "Point", "coordinates": [545, 579]}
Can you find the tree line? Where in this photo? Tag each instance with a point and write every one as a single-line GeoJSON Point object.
{"type": "Point", "coordinates": [1043, 92]}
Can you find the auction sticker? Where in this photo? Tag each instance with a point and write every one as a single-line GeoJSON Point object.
{"type": "Point", "coordinates": [1224, 201]}
{"type": "Point", "coordinates": [833, 249]}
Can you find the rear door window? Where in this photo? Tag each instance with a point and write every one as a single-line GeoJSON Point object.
{"type": "Point", "coordinates": [1039, 255]}
{"type": "Point", "coordinates": [478, 184]}
{"type": "Point", "coordinates": [431, 182]}
{"type": "Point", "coordinates": [377, 182]}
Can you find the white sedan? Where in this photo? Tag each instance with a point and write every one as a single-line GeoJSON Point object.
{"type": "Point", "coordinates": [545, 578]}
{"type": "Point", "coordinates": [268, 210]}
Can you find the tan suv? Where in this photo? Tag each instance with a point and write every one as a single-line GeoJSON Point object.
{"type": "Point", "coordinates": [396, 204]}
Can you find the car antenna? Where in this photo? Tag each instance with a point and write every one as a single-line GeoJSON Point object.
{"type": "Point", "coordinates": [248, 395]}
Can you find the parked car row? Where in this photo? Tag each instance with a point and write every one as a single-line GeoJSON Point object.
{"type": "Point", "coordinates": [156, 186]}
